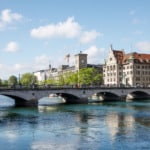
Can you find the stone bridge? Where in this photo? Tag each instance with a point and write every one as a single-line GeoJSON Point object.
{"type": "Point", "coordinates": [30, 96]}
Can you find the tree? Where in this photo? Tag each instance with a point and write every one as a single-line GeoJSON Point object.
{"type": "Point", "coordinates": [60, 80]}
{"type": "Point", "coordinates": [28, 79]}
{"type": "Point", "coordinates": [71, 78]}
{"type": "Point", "coordinates": [5, 82]}
{"type": "Point", "coordinates": [50, 81]}
{"type": "Point", "coordinates": [88, 76]}
{"type": "Point", "coordinates": [12, 80]}
{"type": "Point", "coordinates": [98, 79]}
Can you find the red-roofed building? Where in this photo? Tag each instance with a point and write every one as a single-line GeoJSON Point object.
{"type": "Point", "coordinates": [122, 69]}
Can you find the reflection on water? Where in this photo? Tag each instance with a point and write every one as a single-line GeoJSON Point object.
{"type": "Point", "coordinates": [6, 101]}
{"type": "Point", "coordinates": [51, 101]}
{"type": "Point", "coordinates": [113, 126]}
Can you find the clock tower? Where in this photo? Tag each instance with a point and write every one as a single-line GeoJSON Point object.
{"type": "Point", "coordinates": [80, 61]}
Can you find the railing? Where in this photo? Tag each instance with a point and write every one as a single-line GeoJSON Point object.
{"type": "Point", "coordinates": [57, 87]}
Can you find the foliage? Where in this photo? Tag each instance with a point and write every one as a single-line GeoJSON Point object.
{"type": "Point", "coordinates": [71, 78]}
{"type": "Point", "coordinates": [60, 80]}
{"type": "Point", "coordinates": [85, 76]}
{"type": "Point", "coordinates": [49, 81]}
{"type": "Point", "coordinates": [89, 76]}
{"type": "Point", "coordinates": [5, 82]}
{"type": "Point", "coordinates": [12, 80]}
{"type": "Point", "coordinates": [28, 79]}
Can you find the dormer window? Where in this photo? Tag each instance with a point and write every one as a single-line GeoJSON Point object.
{"type": "Point", "coordinates": [110, 59]}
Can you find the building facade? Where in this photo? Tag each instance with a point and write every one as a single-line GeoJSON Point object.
{"type": "Point", "coordinates": [122, 69]}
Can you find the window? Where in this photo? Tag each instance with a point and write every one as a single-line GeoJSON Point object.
{"type": "Point", "coordinates": [114, 67]}
{"type": "Point", "coordinates": [108, 68]}
{"type": "Point", "coordinates": [138, 67]}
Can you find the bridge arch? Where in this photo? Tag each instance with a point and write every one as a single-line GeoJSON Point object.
{"type": "Point", "coordinates": [69, 98]}
{"type": "Point", "coordinates": [138, 95]}
{"type": "Point", "coordinates": [20, 101]}
{"type": "Point", "coordinates": [106, 96]}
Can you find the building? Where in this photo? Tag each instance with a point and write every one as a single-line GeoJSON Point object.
{"type": "Point", "coordinates": [122, 69]}
{"type": "Point", "coordinates": [54, 73]}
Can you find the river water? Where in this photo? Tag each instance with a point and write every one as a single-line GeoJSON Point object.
{"type": "Point", "coordinates": [103, 126]}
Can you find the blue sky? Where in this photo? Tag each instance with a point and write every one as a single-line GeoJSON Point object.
{"type": "Point", "coordinates": [34, 33]}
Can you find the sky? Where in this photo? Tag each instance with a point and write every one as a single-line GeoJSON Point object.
{"type": "Point", "coordinates": [36, 33]}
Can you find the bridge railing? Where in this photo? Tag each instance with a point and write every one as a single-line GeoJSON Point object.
{"type": "Point", "coordinates": [56, 87]}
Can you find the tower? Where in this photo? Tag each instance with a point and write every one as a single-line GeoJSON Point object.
{"type": "Point", "coordinates": [80, 61]}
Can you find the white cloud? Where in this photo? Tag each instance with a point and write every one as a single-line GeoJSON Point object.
{"type": "Point", "coordinates": [143, 46]}
{"type": "Point", "coordinates": [18, 67]}
{"type": "Point", "coordinates": [12, 47]}
{"type": "Point", "coordinates": [7, 71]}
{"type": "Point", "coordinates": [38, 63]}
{"type": "Point", "coordinates": [95, 55]}
{"type": "Point", "coordinates": [67, 29]}
{"type": "Point", "coordinates": [89, 36]}
{"type": "Point", "coordinates": [41, 59]}
{"type": "Point", "coordinates": [14, 69]}
{"type": "Point", "coordinates": [41, 62]}
{"type": "Point", "coordinates": [7, 17]}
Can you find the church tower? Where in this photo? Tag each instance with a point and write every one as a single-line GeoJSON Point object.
{"type": "Point", "coordinates": [80, 61]}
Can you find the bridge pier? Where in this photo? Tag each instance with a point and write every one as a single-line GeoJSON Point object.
{"type": "Point", "coordinates": [80, 101]}
{"type": "Point", "coordinates": [26, 103]}
{"type": "Point", "coordinates": [123, 97]}
{"type": "Point", "coordinates": [76, 101]}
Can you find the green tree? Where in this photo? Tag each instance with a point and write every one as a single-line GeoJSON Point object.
{"type": "Point", "coordinates": [50, 81]}
{"type": "Point", "coordinates": [98, 79]}
{"type": "Point", "coordinates": [12, 80]}
{"type": "Point", "coordinates": [60, 80]}
{"type": "Point", "coordinates": [88, 76]}
{"type": "Point", "coordinates": [71, 78]}
{"type": "Point", "coordinates": [5, 82]}
{"type": "Point", "coordinates": [28, 79]}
